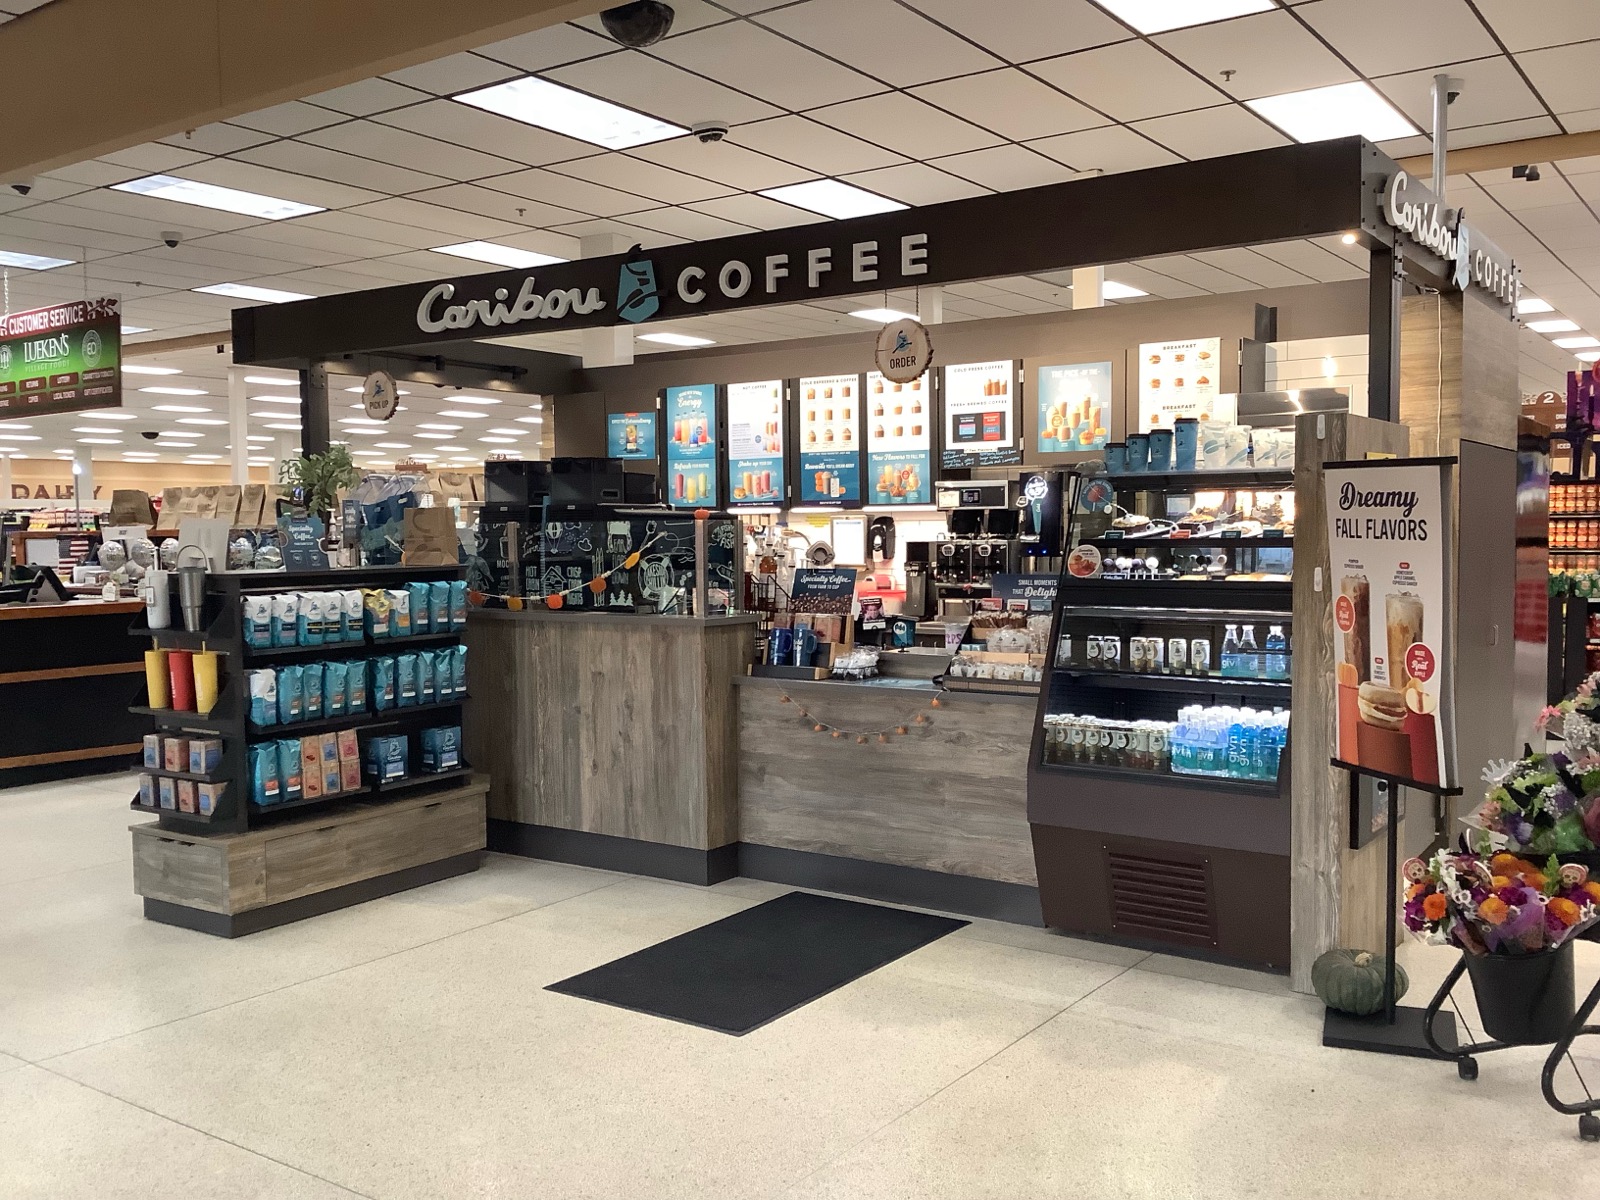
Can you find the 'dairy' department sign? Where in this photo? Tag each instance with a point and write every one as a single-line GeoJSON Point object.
{"type": "Point", "coordinates": [61, 359]}
{"type": "Point", "coordinates": [1389, 546]}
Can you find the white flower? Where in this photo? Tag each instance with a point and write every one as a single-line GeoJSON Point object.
{"type": "Point", "coordinates": [1498, 771]}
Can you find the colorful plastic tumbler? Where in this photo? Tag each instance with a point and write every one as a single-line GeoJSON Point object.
{"type": "Point", "coordinates": [205, 681]}
{"type": "Point", "coordinates": [180, 669]}
{"type": "Point", "coordinates": [155, 677]}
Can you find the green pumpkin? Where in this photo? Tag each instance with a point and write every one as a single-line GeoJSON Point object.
{"type": "Point", "coordinates": [1351, 981]}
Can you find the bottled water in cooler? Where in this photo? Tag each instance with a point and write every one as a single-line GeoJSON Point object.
{"type": "Point", "coordinates": [1229, 743]}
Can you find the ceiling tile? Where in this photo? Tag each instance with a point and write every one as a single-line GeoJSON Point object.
{"type": "Point", "coordinates": [905, 124]}
{"type": "Point", "coordinates": [1493, 92]}
{"type": "Point", "coordinates": [367, 97]}
{"type": "Point", "coordinates": [1258, 269]}
{"type": "Point", "coordinates": [1566, 226]}
{"type": "Point", "coordinates": [322, 163]}
{"type": "Point", "coordinates": [1010, 103]}
{"type": "Point", "coordinates": [1525, 26]}
{"type": "Point", "coordinates": [625, 173]}
{"type": "Point", "coordinates": [93, 173]}
{"type": "Point", "coordinates": [648, 238]}
{"type": "Point", "coordinates": [286, 120]}
{"type": "Point", "coordinates": [282, 250]}
{"type": "Point", "coordinates": [98, 242]}
{"type": "Point", "coordinates": [352, 234]}
{"type": "Point", "coordinates": [1500, 131]}
{"type": "Point", "coordinates": [1190, 270]}
{"type": "Point", "coordinates": [486, 202]}
{"type": "Point", "coordinates": [1271, 53]}
{"type": "Point", "coordinates": [1564, 76]}
{"type": "Point", "coordinates": [687, 224]}
{"type": "Point", "coordinates": [248, 177]}
{"type": "Point", "coordinates": [453, 73]}
{"type": "Point", "coordinates": [1519, 194]}
{"type": "Point", "coordinates": [1110, 150]}
{"type": "Point", "coordinates": [432, 217]}
{"type": "Point", "coordinates": [220, 138]}
{"type": "Point", "coordinates": [916, 183]}
{"type": "Point", "coordinates": [463, 125]}
{"type": "Point", "coordinates": [1023, 30]}
{"type": "Point", "coordinates": [1212, 132]}
{"type": "Point", "coordinates": [758, 61]}
{"type": "Point", "coordinates": [816, 147]}
{"type": "Point", "coordinates": [577, 194]}
{"type": "Point", "coordinates": [551, 47]}
{"type": "Point", "coordinates": [1581, 122]}
{"type": "Point", "coordinates": [1128, 81]}
{"type": "Point", "coordinates": [388, 144]}
{"type": "Point", "coordinates": [758, 212]}
{"type": "Point", "coordinates": [660, 89]}
{"type": "Point", "coordinates": [881, 38]}
{"type": "Point", "coordinates": [154, 158]}
{"type": "Point", "coordinates": [1004, 168]}
{"type": "Point", "coordinates": [1383, 38]}
{"type": "Point", "coordinates": [1308, 258]}
{"type": "Point", "coordinates": [724, 162]}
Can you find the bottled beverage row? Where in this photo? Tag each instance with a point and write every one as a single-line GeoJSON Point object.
{"type": "Point", "coordinates": [1217, 742]}
{"type": "Point", "coordinates": [1241, 657]}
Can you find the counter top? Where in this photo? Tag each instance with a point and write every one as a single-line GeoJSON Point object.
{"type": "Point", "coordinates": [604, 618]}
{"type": "Point", "coordinates": [72, 608]}
{"type": "Point", "coordinates": [884, 687]}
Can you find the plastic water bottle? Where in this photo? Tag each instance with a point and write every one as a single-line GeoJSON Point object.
{"type": "Point", "coordinates": [1250, 663]}
{"type": "Point", "coordinates": [1277, 657]}
{"type": "Point", "coordinates": [1238, 751]}
{"type": "Point", "coordinates": [1230, 653]}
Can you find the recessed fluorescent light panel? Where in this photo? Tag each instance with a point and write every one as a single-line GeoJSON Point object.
{"type": "Point", "coordinates": [1157, 16]}
{"type": "Point", "coordinates": [1556, 325]}
{"type": "Point", "coordinates": [883, 315]}
{"type": "Point", "coordinates": [501, 256]}
{"type": "Point", "coordinates": [175, 391]}
{"type": "Point", "coordinates": [31, 262]}
{"type": "Point", "coordinates": [209, 195]}
{"type": "Point", "coordinates": [1532, 304]}
{"type": "Point", "coordinates": [1112, 290]}
{"type": "Point", "coordinates": [270, 380]}
{"type": "Point", "coordinates": [1343, 110]}
{"type": "Point", "coordinates": [127, 329]}
{"type": "Point", "coordinates": [138, 369]}
{"type": "Point", "coordinates": [562, 110]}
{"type": "Point", "coordinates": [675, 339]}
{"type": "Point", "coordinates": [290, 399]}
{"type": "Point", "coordinates": [247, 291]}
{"type": "Point", "coordinates": [833, 199]}
{"type": "Point", "coordinates": [1577, 343]}
{"type": "Point", "coordinates": [1589, 356]}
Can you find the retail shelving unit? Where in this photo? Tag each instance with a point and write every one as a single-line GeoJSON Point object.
{"type": "Point", "coordinates": [1134, 837]}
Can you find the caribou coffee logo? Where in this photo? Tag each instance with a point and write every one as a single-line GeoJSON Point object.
{"type": "Point", "coordinates": [528, 306]}
{"type": "Point", "coordinates": [1416, 212]}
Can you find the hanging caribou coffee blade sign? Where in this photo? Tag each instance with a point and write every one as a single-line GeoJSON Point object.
{"type": "Point", "coordinates": [379, 396]}
{"type": "Point", "coordinates": [905, 350]}
{"type": "Point", "coordinates": [1417, 213]}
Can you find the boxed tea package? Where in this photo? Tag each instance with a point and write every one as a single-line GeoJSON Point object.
{"type": "Point", "coordinates": [186, 796]}
{"type": "Point", "coordinates": [205, 755]}
{"type": "Point", "coordinates": [152, 750]}
{"type": "Point", "coordinates": [349, 746]}
{"type": "Point", "coordinates": [209, 795]}
{"type": "Point", "coordinates": [330, 764]}
{"type": "Point", "coordinates": [311, 766]}
{"type": "Point", "coordinates": [349, 760]}
{"type": "Point", "coordinates": [147, 790]}
{"type": "Point", "coordinates": [167, 792]}
{"type": "Point", "coordinates": [174, 754]}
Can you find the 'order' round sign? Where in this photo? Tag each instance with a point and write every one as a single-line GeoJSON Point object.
{"type": "Point", "coordinates": [905, 350]}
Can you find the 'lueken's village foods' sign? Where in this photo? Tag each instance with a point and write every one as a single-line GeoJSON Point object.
{"type": "Point", "coordinates": [1389, 541]}
{"type": "Point", "coordinates": [61, 359]}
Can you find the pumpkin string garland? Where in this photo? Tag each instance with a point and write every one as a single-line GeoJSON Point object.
{"type": "Point", "coordinates": [863, 737]}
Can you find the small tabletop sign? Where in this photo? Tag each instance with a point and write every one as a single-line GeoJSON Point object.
{"type": "Point", "coordinates": [1027, 593]}
{"type": "Point", "coordinates": [823, 589]}
{"type": "Point", "coordinates": [302, 544]}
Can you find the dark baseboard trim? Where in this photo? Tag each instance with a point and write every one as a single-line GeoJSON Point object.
{"type": "Point", "coordinates": [626, 855]}
{"type": "Point", "coordinates": [84, 768]}
{"type": "Point", "coordinates": [989, 898]}
{"type": "Point", "coordinates": [254, 920]}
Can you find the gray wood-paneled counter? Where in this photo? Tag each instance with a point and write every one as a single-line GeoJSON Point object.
{"type": "Point", "coordinates": [936, 817]}
{"type": "Point", "coordinates": [610, 740]}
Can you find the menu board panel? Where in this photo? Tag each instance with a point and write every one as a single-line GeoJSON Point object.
{"type": "Point", "coordinates": [755, 443]}
{"type": "Point", "coordinates": [692, 446]}
{"type": "Point", "coordinates": [1074, 405]}
{"type": "Point", "coordinates": [1180, 379]}
{"type": "Point", "coordinates": [899, 441]}
{"type": "Point", "coordinates": [979, 415]}
{"type": "Point", "coordinates": [830, 453]}
{"type": "Point", "coordinates": [631, 435]}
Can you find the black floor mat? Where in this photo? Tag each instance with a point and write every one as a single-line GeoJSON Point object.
{"type": "Point", "coordinates": [737, 974]}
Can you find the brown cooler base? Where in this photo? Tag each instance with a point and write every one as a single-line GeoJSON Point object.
{"type": "Point", "coordinates": [1225, 904]}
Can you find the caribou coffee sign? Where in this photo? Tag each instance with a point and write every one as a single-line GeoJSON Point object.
{"type": "Point", "coordinates": [1416, 212]}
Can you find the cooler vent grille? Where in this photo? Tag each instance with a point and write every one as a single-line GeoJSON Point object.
{"type": "Point", "coordinates": [1161, 898]}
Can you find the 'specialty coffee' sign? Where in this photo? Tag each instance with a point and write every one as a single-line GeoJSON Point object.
{"type": "Point", "coordinates": [1389, 546]}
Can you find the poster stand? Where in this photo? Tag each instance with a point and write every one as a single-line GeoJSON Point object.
{"type": "Point", "coordinates": [1395, 1029]}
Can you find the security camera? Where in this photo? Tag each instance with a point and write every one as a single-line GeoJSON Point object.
{"type": "Point", "coordinates": [149, 435]}
{"type": "Point", "coordinates": [171, 237]}
{"type": "Point", "coordinates": [710, 131]}
{"type": "Point", "coordinates": [1530, 172]}
{"type": "Point", "coordinates": [21, 186]}
{"type": "Point", "coordinates": [642, 23]}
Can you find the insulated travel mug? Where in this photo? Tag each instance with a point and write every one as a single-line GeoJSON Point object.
{"type": "Point", "coordinates": [1185, 440]}
{"type": "Point", "coordinates": [1161, 449]}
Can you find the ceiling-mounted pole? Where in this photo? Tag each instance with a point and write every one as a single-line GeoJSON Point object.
{"type": "Point", "coordinates": [1445, 89]}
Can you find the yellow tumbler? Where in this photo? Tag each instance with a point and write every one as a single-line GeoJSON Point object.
{"type": "Point", "coordinates": [155, 677]}
{"type": "Point", "coordinates": [205, 681]}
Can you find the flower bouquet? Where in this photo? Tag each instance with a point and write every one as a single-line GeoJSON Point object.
{"type": "Point", "coordinates": [1516, 924]}
{"type": "Point", "coordinates": [1539, 805]}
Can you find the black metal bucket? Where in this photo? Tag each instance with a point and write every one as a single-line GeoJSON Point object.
{"type": "Point", "coordinates": [1527, 999]}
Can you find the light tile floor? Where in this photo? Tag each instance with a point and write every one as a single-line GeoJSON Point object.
{"type": "Point", "coordinates": [405, 1048]}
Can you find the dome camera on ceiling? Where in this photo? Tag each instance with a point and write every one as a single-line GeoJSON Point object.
{"type": "Point", "coordinates": [642, 23]}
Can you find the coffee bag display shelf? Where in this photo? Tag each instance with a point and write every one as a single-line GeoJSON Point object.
{"type": "Point", "coordinates": [1262, 479]}
{"type": "Point", "coordinates": [1444, 1045]}
{"type": "Point", "coordinates": [223, 633]}
{"type": "Point", "coordinates": [1396, 1028]}
{"type": "Point", "coordinates": [1199, 783]}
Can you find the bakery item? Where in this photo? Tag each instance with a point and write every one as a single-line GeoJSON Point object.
{"type": "Point", "coordinates": [1381, 706]}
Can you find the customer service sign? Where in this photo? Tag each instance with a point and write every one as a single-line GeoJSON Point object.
{"type": "Point", "coordinates": [61, 359]}
{"type": "Point", "coordinates": [1389, 546]}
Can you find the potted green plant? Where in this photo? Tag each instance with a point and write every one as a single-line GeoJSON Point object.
{"type": "Point", "coordinates": [320, 478]}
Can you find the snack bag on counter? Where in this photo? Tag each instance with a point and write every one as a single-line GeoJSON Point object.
{"type": "Point", "coordinates": [285, 618]}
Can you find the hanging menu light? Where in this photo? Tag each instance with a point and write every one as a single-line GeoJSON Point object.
{"type": "Point", "coordinates": [899, 441]}
{"type": "Point", "coordinates": [980, 415]}
{"type": "Point", "coordinates": [830, 450]}
{"type": "Point", "coordinates": [692, 446]}
{"type": "Point", "coordinates": [755, 443]}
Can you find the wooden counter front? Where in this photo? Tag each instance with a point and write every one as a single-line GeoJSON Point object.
{"type": "Point", "coordinates": [609, 740]}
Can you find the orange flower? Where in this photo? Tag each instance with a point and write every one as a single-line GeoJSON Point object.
{"type": "Point", "coordinates": [1566, 910]}
{"type": "Point", "coordinates": [1433, 907]}
{"type": "Point", "coordinates": [1494, 910]}
{"type": "Point", "coordinates": [1593, 889]}
{"type": "Point", "coordinates": [1504, 864]}
{"type": "Point", "coordinates": [1499, 881]}
{"type": "Point", "coordinates": [1411, 892]}
{"type": "Point", "coordinates": [1534, 879]}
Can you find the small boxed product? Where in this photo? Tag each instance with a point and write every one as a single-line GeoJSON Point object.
{"type": "Point", "coordinates": [256, 614]}
{"type": "Point", "coordinates": [421, 607]}
{"type": "Point", "coordinates": [209, 795]}
{"type": "Point", "coordinates": [386, 757]}
{"type": "Point", "coordinates": [175, 754]}
{"type": "Point", "coordinates": [311, 766]}
{"type": "Point", "coordinates": [330, 764]}
{"type": "Point", "coordinates": [349, 746]}
{"type": "Point", "coordinates": [291, 781]}
{"type": "Point", "coordinates": [264, 697]}
{"type": "Point", "coordinates": [399, 612]}
{"type": "Point", "coordinates": [147, 791]}
{"type": "Point", "coordinates": [349, 775]}
{"type": "Point", "coordinates": [205, 755]}
{"type": "Point", "coordinates": [441, 748]}
{"type": "Point", "coordinates": [187, 793]}
{"type": "Point", "coordinates": [167, 792]}
{"type": "Point", "coordinates": [152, 751]}
{"type": "Point", "coordinates": [285, 618]}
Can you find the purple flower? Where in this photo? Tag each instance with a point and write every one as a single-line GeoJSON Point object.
{"type": "Point", "coordinates": [1553, 925]}
{"type": "Point", "coordinates": [1512, 894]}
{"type": "Point", "coordinates": [1522, 832]}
